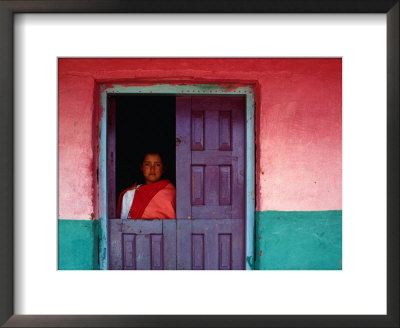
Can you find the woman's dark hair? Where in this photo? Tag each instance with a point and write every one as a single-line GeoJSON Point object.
{"type": "Point", "coordinates": [151, 151]}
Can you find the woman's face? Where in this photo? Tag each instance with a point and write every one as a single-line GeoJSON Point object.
{"type": "Point", "coordinates": [152, 168]}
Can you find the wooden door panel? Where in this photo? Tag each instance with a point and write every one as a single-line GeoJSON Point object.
{"type": "Point", "coordinates": [225, 184]}
{"type": "Point", "coordinates": [211, 128]}
{"type": "Point", "coordinates": [225, 130]}
{"type": "Point", "coordinates": [143, 251]}
{"type": "Point", "coordinates": [144, 227]}
{"type": "Point", "coordinates": [129, 253]}
{"type": "Point", "coordinates": [142, 244]}
{"type": "Point", "coordinates": [211, 185]}
{"type": "Point", "coordinates": [197, 130]}
{"type": "Point", "coordinates": [218, 103]}
{"type": "Point", "coordinates": [211, 212]}
{"type": "Point", "coordinates": [225, 251]}
{"type": "Point", "coordinates": [197, 182]}
{"type": "Point", "coordinates": [157, 252]}
{"type": "Point", "coordinates": [213, 157]}
{"type": "Point", "coordinates": [210, 163]}
{"type": "Point", "coordinates": [197, 252]}
{"type": "Point", "coordinates": [210, 244]}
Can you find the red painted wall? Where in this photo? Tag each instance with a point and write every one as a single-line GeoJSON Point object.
{"type": "Point", "coordinates": [298, 124]}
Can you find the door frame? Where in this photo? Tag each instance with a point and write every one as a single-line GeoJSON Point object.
{"type": "Point", "coordinates": [177, 90]}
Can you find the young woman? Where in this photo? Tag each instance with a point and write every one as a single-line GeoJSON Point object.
{"type": "Point", "coordinates": [154, 199]}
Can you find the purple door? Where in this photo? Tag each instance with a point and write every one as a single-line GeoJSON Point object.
{"type": "Point", "coordinates": [210, 183]}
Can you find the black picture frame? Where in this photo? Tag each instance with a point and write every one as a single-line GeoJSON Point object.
{"type": "Point", "coordinates": [10, 7]}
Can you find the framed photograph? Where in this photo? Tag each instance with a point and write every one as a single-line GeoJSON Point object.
{"type": "Point", "coordinates": [266, 134]}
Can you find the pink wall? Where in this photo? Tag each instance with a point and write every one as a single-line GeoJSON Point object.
{"type": "Point", "coordinates": [75, 151]}
{"type": "Point", "coordinates": [298, 124]}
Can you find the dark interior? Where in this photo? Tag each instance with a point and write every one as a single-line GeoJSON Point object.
{"type": "Point", "coordinates": [143, 123]}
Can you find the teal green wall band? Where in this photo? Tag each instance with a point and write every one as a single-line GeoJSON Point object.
{"type": "Point", "coordinates": [298, 240]}
{"type": "Point", "coordinates": [284, 241]}
{"type": "Point", "coordinates": [78, 245]}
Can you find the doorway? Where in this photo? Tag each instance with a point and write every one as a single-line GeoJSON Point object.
{"type": "Point", "coordinates": [139, 123]}
{"type": "Point", "coordinates": [233, 224]}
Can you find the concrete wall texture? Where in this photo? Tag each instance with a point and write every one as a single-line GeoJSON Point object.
{"type": "Point", "coordinates": [298, 145]}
